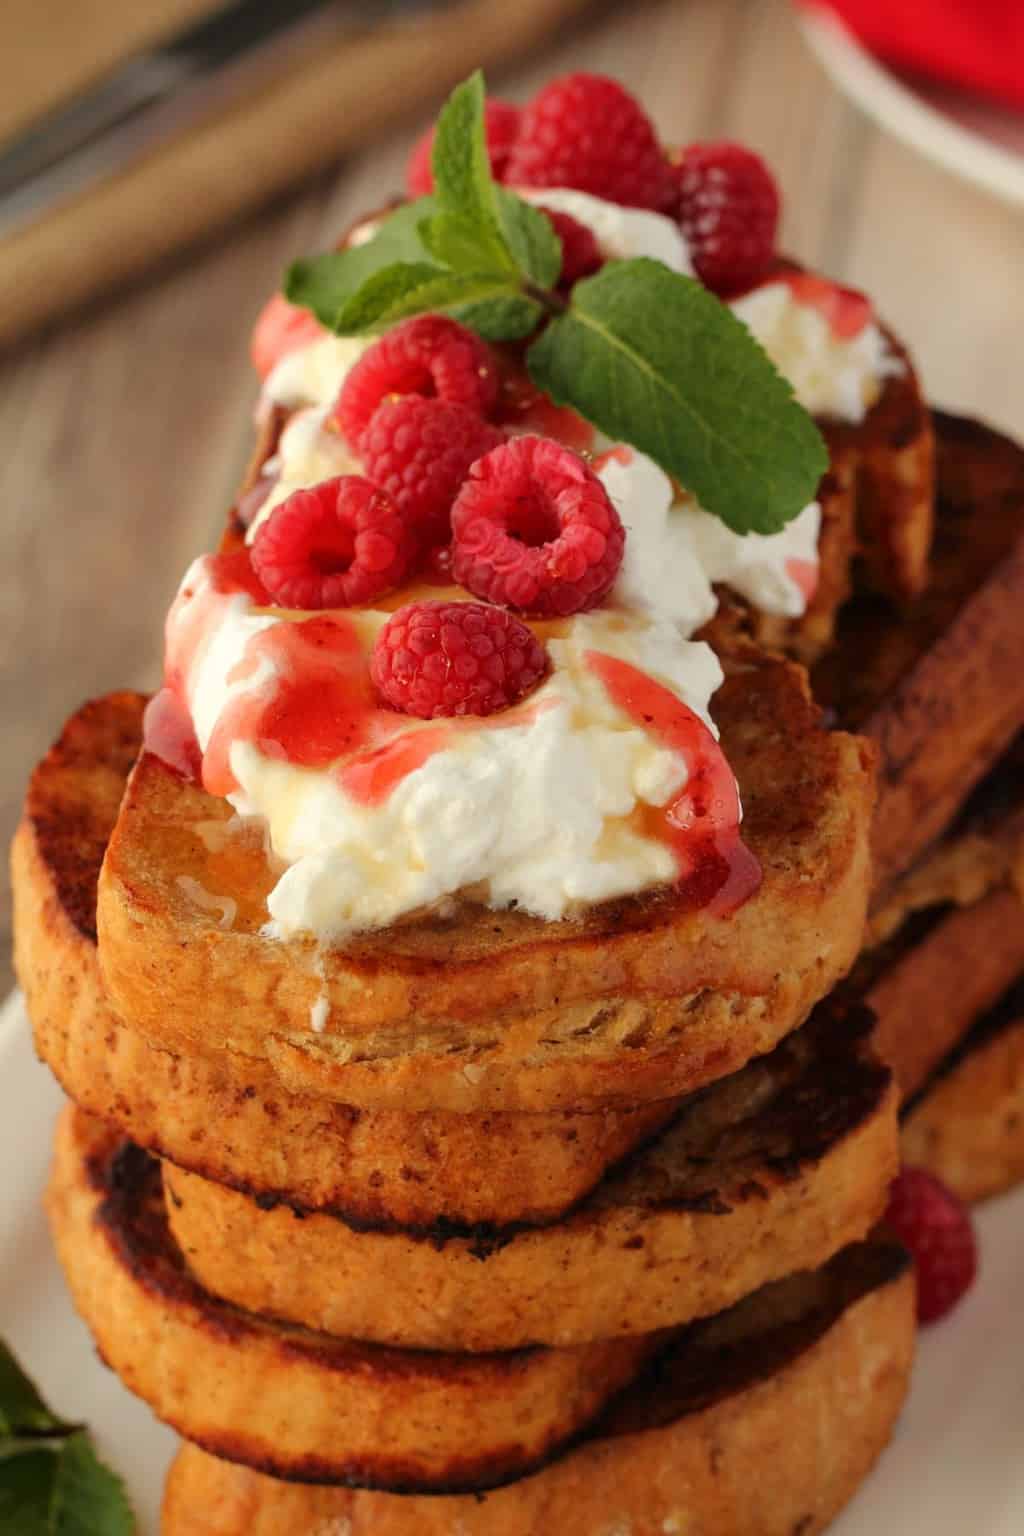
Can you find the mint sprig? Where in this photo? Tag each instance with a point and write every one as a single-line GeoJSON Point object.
{"type": "Point", "coordinates": [648, 356]}
{"type": "Point", "coordinates": [52, 1483]}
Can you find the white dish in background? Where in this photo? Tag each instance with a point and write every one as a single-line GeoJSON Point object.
{"type": "Point", "coordinates": [955, 1464]}
{"type": "Point", "coordinates": [964, 133]}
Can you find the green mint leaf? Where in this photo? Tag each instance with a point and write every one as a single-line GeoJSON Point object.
{"type": "Point", "coordinates": [531, 238]}
{"type": "Point", "coordinates": [415, 288]}
{"type": "Point", "coordinates": [325, 283]}
{"type": "Point", "coordinates": [88, 1499]}
{"type": "Point", "coordinates": [22, 1410]}
{"type": "Point", "coordinates": [505, 317]}
{"type": "Point", "coordinates": [26, 1493]}
{"type": "Point", "coordinates": [464, 189]}
{"type": "Point", "coordinates": [653, 359]}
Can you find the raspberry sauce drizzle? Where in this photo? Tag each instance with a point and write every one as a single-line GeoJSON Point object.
{"type": "Point", "coordinates": [803, 574]}
{"type": "Point", "coordinates": [702, 824]}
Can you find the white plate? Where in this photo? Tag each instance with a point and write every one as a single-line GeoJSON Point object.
{"type": "Point", "coordinates": [980, 141]}
{"type": "Point", "coordinates": [955, 1466]}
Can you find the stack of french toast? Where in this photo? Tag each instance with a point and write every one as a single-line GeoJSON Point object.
{"type": "Point", "coordinates": [429, 1189]}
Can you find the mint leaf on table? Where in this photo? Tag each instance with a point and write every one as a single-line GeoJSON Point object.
{"type": "Point", "coordinates": [648, 356]}
{"type": "Point", "coordinates": [51, 1481]}
{"type": "Point", "coordinates": [653, 359]}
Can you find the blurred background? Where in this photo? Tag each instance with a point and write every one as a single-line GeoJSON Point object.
{"type": "Point", "coordinates": [125, 305]}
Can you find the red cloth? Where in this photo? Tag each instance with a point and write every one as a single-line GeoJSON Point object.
{"type": "Point", "coordinates": [977, 44]}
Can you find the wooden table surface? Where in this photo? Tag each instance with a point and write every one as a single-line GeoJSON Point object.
{"type": "Point", "coordinates": [124, 433]}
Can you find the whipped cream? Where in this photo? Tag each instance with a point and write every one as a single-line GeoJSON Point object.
{"type": "Point", "coordinates": [540, 806]}
{"type": "Point", "coordinates": [831, 375]}
{"type": "Point", "coordinates": [621, 233]}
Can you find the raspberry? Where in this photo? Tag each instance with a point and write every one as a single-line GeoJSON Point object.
{"type": "Point", "coordinates": [419, 452]}
{"type": "Point", "coordinates": [534, 529]}
{"type": "Point", "coordinates": [281, 328]}
{"type": "Point", "coordinates": [581, 254]}
{"type": "Point", "coordinates": [936, 1227]}
{"type": "Point", "coordinates": [587, 132]}
{"type": "Point", "coordinates": [727, 205]}
{"type": "Point", "coordinates": [501, 122]}
{"type": "Point", "coordinates": [434, 659]}
{"type": "Point", "coordinates": [428, 355]}
{"type": "Point", "coordinates": [340, 543]}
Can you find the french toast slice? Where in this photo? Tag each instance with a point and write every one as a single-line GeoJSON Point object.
{"type": "Point", "coordinates": [632, 1000]}
{"type": "Point", "coordinates": [937, 683]}
{"type": "Point", "coordinates": [226, 1116]}
{"type": "Point", "coordinates": [967, 1124]}
{"type": "Point", "coordinates": [761, 1422]}
{"type": "Point", "coordinates": [769, 1171]}
{"type": "Point", "coordinates": [283, 1399]}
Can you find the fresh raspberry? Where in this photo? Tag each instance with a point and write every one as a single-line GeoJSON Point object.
{"type": "Point", "coordinates": [587, 132]}
{"type": "Point", "coordinates": [419, 452]}
{"type": "Point", "coordinates": [340, 543]}
{"type": "Point", "coordinates": [581, 254]}
{"type": "Point", "coordinates": [727, 205]}
{"type": "Point", "coordinates": [501, 123]}
{"type": "Point", "coordinates": [428, 355]}
{"type": "Point", "coordinates": [434, 659]}
{"type": "Point", "coordinates": [281, 328]}
{"type": "Point", "coordinates": [936, 1227]}
{"type": "Point", "coordinates": [534, 529]}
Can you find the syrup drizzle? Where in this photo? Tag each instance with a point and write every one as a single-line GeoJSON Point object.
{"type": "Point", "coordinates": [701, 825]}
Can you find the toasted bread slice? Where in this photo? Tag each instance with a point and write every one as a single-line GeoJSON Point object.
{"type": "Point", "coordinates": [633, 1000]}
{"type": "Point", "coordinates": [763, 1422]}
{"type": "Point", "coordinates": [929, 983]}
{"type": "Point", "coordinates": [938, 684]}
{"type": "Point", "coordinates": [286, 1400]}
{"type": "Point", "coordinates": [967, 1125]}
{"type": "Point", "coordinates": [229, 1117]}
{"type": "Point", "coordinates": [769, 1171]}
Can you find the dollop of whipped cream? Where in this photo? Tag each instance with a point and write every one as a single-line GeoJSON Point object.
{"type": "Point", "coordinates": [832, 375]}
{"type": "Point", "coordinates": [545, 806]}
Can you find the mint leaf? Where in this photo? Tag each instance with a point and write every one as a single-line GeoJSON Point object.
{"type": "Point", "coordinates": [26, 1493]}
{"type": "Point", "coordinates": [464, 189]}
{"type": "Point", "coordinates": [51, 1481]}
{"type": "Point", "coordinates": [531, 238]}
{"type": "Point", "coordinates": [87, 1498]}
{"type": "Point", "coordinates": [415, 288]}
{"type": "Point", "coordinates": [325, 283]}
{"type": "Point", "coordinates": [653, 359]}
{"type": "Point", "coordinates": [22, 1410]}
{"type": "Point", "coordinates": [502, 318]}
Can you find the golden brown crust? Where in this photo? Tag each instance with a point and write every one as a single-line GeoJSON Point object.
{"type": "Point", "coordinates": [772, 1452]}
{"type": "Point", "coordinates": [228, 1117]}
{"type": "Point", "coordinates": [285, 1400]}
{"type": "Point", "coordinates": [938, 684]}
{"type": "Point", "coordinates": [929, 994]}
{"type": "Point", "coordinates": [968, 1127]}
{"type": "Point", "coordinates": [768, 1172]}
{"type": "Point", "coordinates": [632, 1001]}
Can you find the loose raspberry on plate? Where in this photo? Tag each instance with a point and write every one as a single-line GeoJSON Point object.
{"type": "Point", "coordinates": [535, 529]}
{"type": "Point", "coordinates": [727, 205]}
{"type": "Point", "coordinates": [501, 122]}
{"type": "Point", "coordinates": [281, 328]}
{"type": "Point", "coordinates": [937, 1228]}
{"type": "Point", "coordinates": [586, 131]}
{"type": "Point", "coordinates": [428, 355]}
{"type": "Point", "coordinates": [581, 254]}
{"type": "Point", "coordinates": [340, 543]}
{"type": "Point", "coordinates": [435, 659]}
{"type": "Point", "coordinates": [419, 452]}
